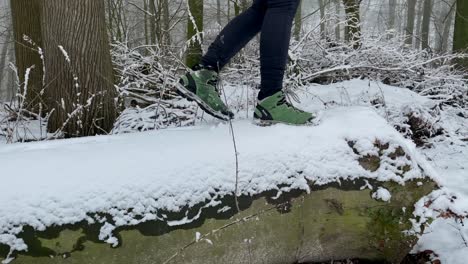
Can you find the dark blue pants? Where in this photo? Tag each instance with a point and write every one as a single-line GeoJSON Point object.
{"type": "Point", "coordinates": [273, 18]}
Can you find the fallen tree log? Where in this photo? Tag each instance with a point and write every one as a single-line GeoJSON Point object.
{"type": "Point", "coordinates": [335, 196]}
{"type": "Point", "coordinates": [331, 223]}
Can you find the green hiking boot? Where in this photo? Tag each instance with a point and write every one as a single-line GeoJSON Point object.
{"type": "Point", "coordinates": [200, 86]}
{"type": "Point", "coordinates": [277, 109]}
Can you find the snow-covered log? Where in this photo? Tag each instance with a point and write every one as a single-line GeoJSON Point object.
{"type": "Point", "coordinates": [344, 188]}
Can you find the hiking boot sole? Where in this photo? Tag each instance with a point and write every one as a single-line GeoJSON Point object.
{"type": "Point", "coordinates": [267, 123]}
{"type": "Point", "coordinates": [185, 93]}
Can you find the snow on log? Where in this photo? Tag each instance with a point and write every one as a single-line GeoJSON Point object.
{"type": "Point", "coordinates": [345, 188]}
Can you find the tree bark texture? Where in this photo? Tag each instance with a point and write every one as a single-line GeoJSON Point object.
{"type": "Point", "coordinates": [449, 21]}
{"type": "Point", "coordinates": [166, 23]}
{"type": "Point", "coordinates": [410, 21]}
{"type": "Point", "coordinates": [460, 38]}
{"type": "Point", "coordinates": [323, 33]}
{"type": "Point", "coordinates": [418, 24]}
{"type": "Point", "coordinates": [27, 24]}
{"type": "Point", "coordinates": [337, 21]}
{"type": "Point", "coordinates": [391, 17]}
{"type": "Point", "coordinates": [194, 32]}
{"type": "Point", "coordinates": [80, 83]}
{"type": "Point", "coordinates": [353, 22]}
{"type": "Point", "coordinates": [426, 23]}
{"type": "Point", "coordinates": [298, 22]}
{"type": "Point", "coordinates": [4, 95]}
{"type": "Point", "coordinates": [334, 222]}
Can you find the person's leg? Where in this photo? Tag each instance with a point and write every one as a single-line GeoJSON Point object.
{"type": "Point", "coordinates": [200, 85]}
{"type": "Point", "coordinates": [235, 36]}
{"type": "Point", "coordinates": [274, 44]}
{"type": "Point", "coordinates": [273, 106]}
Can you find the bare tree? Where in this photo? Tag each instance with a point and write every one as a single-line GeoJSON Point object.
{"type": "Point", "coordinates": [353, 22]}
{"type": "Point", "coordinates": [79, 71]}
{"type": "Point", "coordinates": [218, 11]}
{"type": "Point", "coordinates": [391, 16]}
{"type": "Point", "coordinates": [410, 21]}
{"type": "Point", "coordinates": [448, 23]}
{"type": "Point", "coordinates": [337, 20]}
{"type": "Point", "coordinates": [194, 29]}
{"type": "Point", "coordinates": [166, 22]}
{"type": "Point", "coordinates": [298, 22]}
{"type": "Point", "coordinates": [323, 34]}
{"type": "Point", "coordinates": [460, 39]}
{"type": "Point", "coordinates": [26, 16]}
{"type": "Point", "coordinates": [427, 14]}
{"type": "Point", "coordinates": [3, 66]}
{"type": "Point", "coordinates": [418, 24]}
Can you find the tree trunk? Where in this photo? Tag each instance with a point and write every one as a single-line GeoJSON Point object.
{"type": "Point", "coordinates": [237, 8]}
{"type": "Point", "coordinates": [194, 32]}
{"type": "Point", "coordinates": [353, 23]}
{"type": "Point", "coordinates": [323, 34]}
{"type": "Point", "coordinates": [27, 24]}
{"type": "Point", "coordinates": [337, 21]}
{"type": "Point", "coordinates": [152, 22]}
{"type": "Point", "coordinates": [79, 69]}
{"type": "Point", "coordinates": [447, 29]}
{"type": "Point", "coordinates": [427, 13]}
{"type": "Point", "coordinates": [166, 25]}
{"type": "Point", "coordinates": [332, 222]}
{"type": "Point", "coordinates": [410, 22]}
{"type": "Point", "coordinates": [418, 25]}
{"type": "Point", "coordinates": [146, 18]}
{"type": "Point", "coordinates": [391, 17]}
{"type": "Point", "coordinates": [298, 22]}
{"type": "Point", "coordinates": [218, 12]}
{"type": "Point", "coordinates": [460, 37]}
{"type": "Point", "coordinates": [228, 10]}
{"type": "Point", "coordinates": [4, 95]}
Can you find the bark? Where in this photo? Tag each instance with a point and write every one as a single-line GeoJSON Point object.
{"type": "Point", "coordinates": [353, 22]}
{"type": "Point", "coordinates": [460, 38]}
{"type": "Point", "coordinates": [237, 8]}
{"type": "Point", "coordinates": [410, 22]}
{"type": "Point", "coordinates": [110, 18]}
{"type": "Point", "coordinates": [166, 25]}
{"type": "Point", "coordinates": [228, 10]}
{"type": "Point", "coordinates": [298, 22]}
{"type": "Point", "coordinates": [146, 24]}
{"type": "Point", "coordinates": [427, 14]}
{"type": "Point", "coordinates": [337, 21]}
{"type": "Point", "coordinates": [333, 222]}
{"type": "Point", "coordinates": [218, 12]}
{"type": "Point", "coordinates": [152, 22]}
{"type": "Point", "coordinates": [81, 91]}
{"type": "Point", "coordinates": [194, 51]}
{"type": "Point", "coordinates": [447, 29]}
{"type": "Point", "coordinates": [391, 17]}
{"type": "Point", "coordinates": [323, 33]}
{"type": "Point", "coordinates": [418, 24]}
{"type": "Point", "coordinates": [3, 68]}
{"type": "Point", "coordinates": [27, 22]}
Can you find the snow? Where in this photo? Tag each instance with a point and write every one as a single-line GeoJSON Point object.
{"type": "Point", "coordinates": [167, 169]}
{"type": "Point", "coordinates": [382, 194]}
{"type": "Point", "coordinates": [61, 182]}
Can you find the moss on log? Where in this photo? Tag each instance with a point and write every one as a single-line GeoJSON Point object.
{"type": "Point", "coordinates": [330, 222]}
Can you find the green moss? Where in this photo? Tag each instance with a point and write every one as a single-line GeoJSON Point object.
{"type": "Point", "coordinates": [332, 222]}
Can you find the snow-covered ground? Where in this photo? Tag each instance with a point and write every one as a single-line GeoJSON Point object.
{"type": "Point", "coordinates": [149, 165]}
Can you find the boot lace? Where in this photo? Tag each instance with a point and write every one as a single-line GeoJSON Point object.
{"type": "Point", "coordinates": [286, 100]}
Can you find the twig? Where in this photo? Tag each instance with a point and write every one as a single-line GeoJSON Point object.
{"type": "Point", "coordinates": [231, 127]}
{"type": "Point", "coordinates": [204, 236]}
